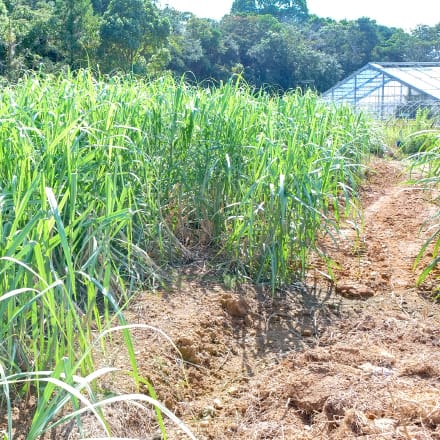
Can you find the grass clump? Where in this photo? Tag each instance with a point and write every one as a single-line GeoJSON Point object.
{"type": "Point", "coordinates": [147, 173]}
{"type": "Point", "coordinates": [411, 135]}
{"type": "Point", "coordinates": [427, 162]}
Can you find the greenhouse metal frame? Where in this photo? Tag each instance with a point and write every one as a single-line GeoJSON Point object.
{"type": "Point", "coordinates": [388, 90]}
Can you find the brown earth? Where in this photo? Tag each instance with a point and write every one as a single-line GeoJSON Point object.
{"type": "Point", "coordinates": [358, 358]}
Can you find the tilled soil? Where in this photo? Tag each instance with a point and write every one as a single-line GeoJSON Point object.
{"type": "Point", "coordinates": [357, 358]}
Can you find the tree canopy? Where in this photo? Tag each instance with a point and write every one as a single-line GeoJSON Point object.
{"type": "Point", "coordinates": [269, 42]}
{"type": "Point", "coordinates": [295, 10]}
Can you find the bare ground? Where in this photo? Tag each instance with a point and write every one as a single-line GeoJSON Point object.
{"type": "Point", "coordinates": [356, 359]}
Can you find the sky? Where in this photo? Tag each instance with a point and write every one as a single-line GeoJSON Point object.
{"type": "Point", "coordinates": [406, 14]}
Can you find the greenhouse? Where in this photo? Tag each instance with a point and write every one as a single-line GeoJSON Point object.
{"type": "Point", "coordinates": [389, 90]}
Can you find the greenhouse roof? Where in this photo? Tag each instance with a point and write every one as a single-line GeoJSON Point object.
{"type": "Point", "coordinates": [424, 78]}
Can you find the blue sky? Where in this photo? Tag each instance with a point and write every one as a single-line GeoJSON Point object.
{"type": "Point", "coordinates": [406, 14]}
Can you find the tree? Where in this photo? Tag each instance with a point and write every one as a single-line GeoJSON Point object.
{"type": "Point", "coordinates": [100, 6]}
{"type": "Point", "coordinates": [261, 48]}
{"type": "Point", "coordinates": [247, 31]}
{"type": "Point", "coordinates": [310, 68]}
{"type": "Point", "coordinates": [425, 43]}
{"type": "Point", "coordinates": [130, 29]}
{"type": "Point", "coordinates": [271, 61]}
{"type": "Point", "coordinates": [393, 46]}
{"type": "Point", "coordinates": [206, 34]}
{"type": "Point", "coordinates": [351, 43]}
{"type": "Point", "coordinates": [4, 33]}
{"type": "Point", "coordinates": [21, 23]}
{"type": "Point", "coordinates": [284, 10]}
{"type": "Point", "coordinates": [243, 7]}
{"type": "Point", "coordinates": [77, 30]}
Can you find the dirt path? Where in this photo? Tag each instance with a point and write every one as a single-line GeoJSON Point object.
{"type": "Point", "coordinates": [379, 257]}
{"type": "Point", "coordinates": [312, 363]}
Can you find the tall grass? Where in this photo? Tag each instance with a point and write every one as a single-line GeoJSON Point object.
{"type": "Point", "coordinates": [147, 173]}
{"type": "Point", "coordinates": [427, 162]}
{"type": "Point", "coordinates": [400, 132]}
{"type": "Point", "coordinates": [106, 183]}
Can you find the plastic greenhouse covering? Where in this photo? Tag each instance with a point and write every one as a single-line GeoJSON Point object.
{"type": "Point", "coordinates": [391, 89]}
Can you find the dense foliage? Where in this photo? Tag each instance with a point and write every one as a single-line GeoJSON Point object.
{"type": "Point", "coordinates": [95, 193]}
{"type": "Point", "coordinates": [270, 41]}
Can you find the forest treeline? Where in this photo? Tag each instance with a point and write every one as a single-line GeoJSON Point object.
{"type": "Point", "coordinates": [274, 42]}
